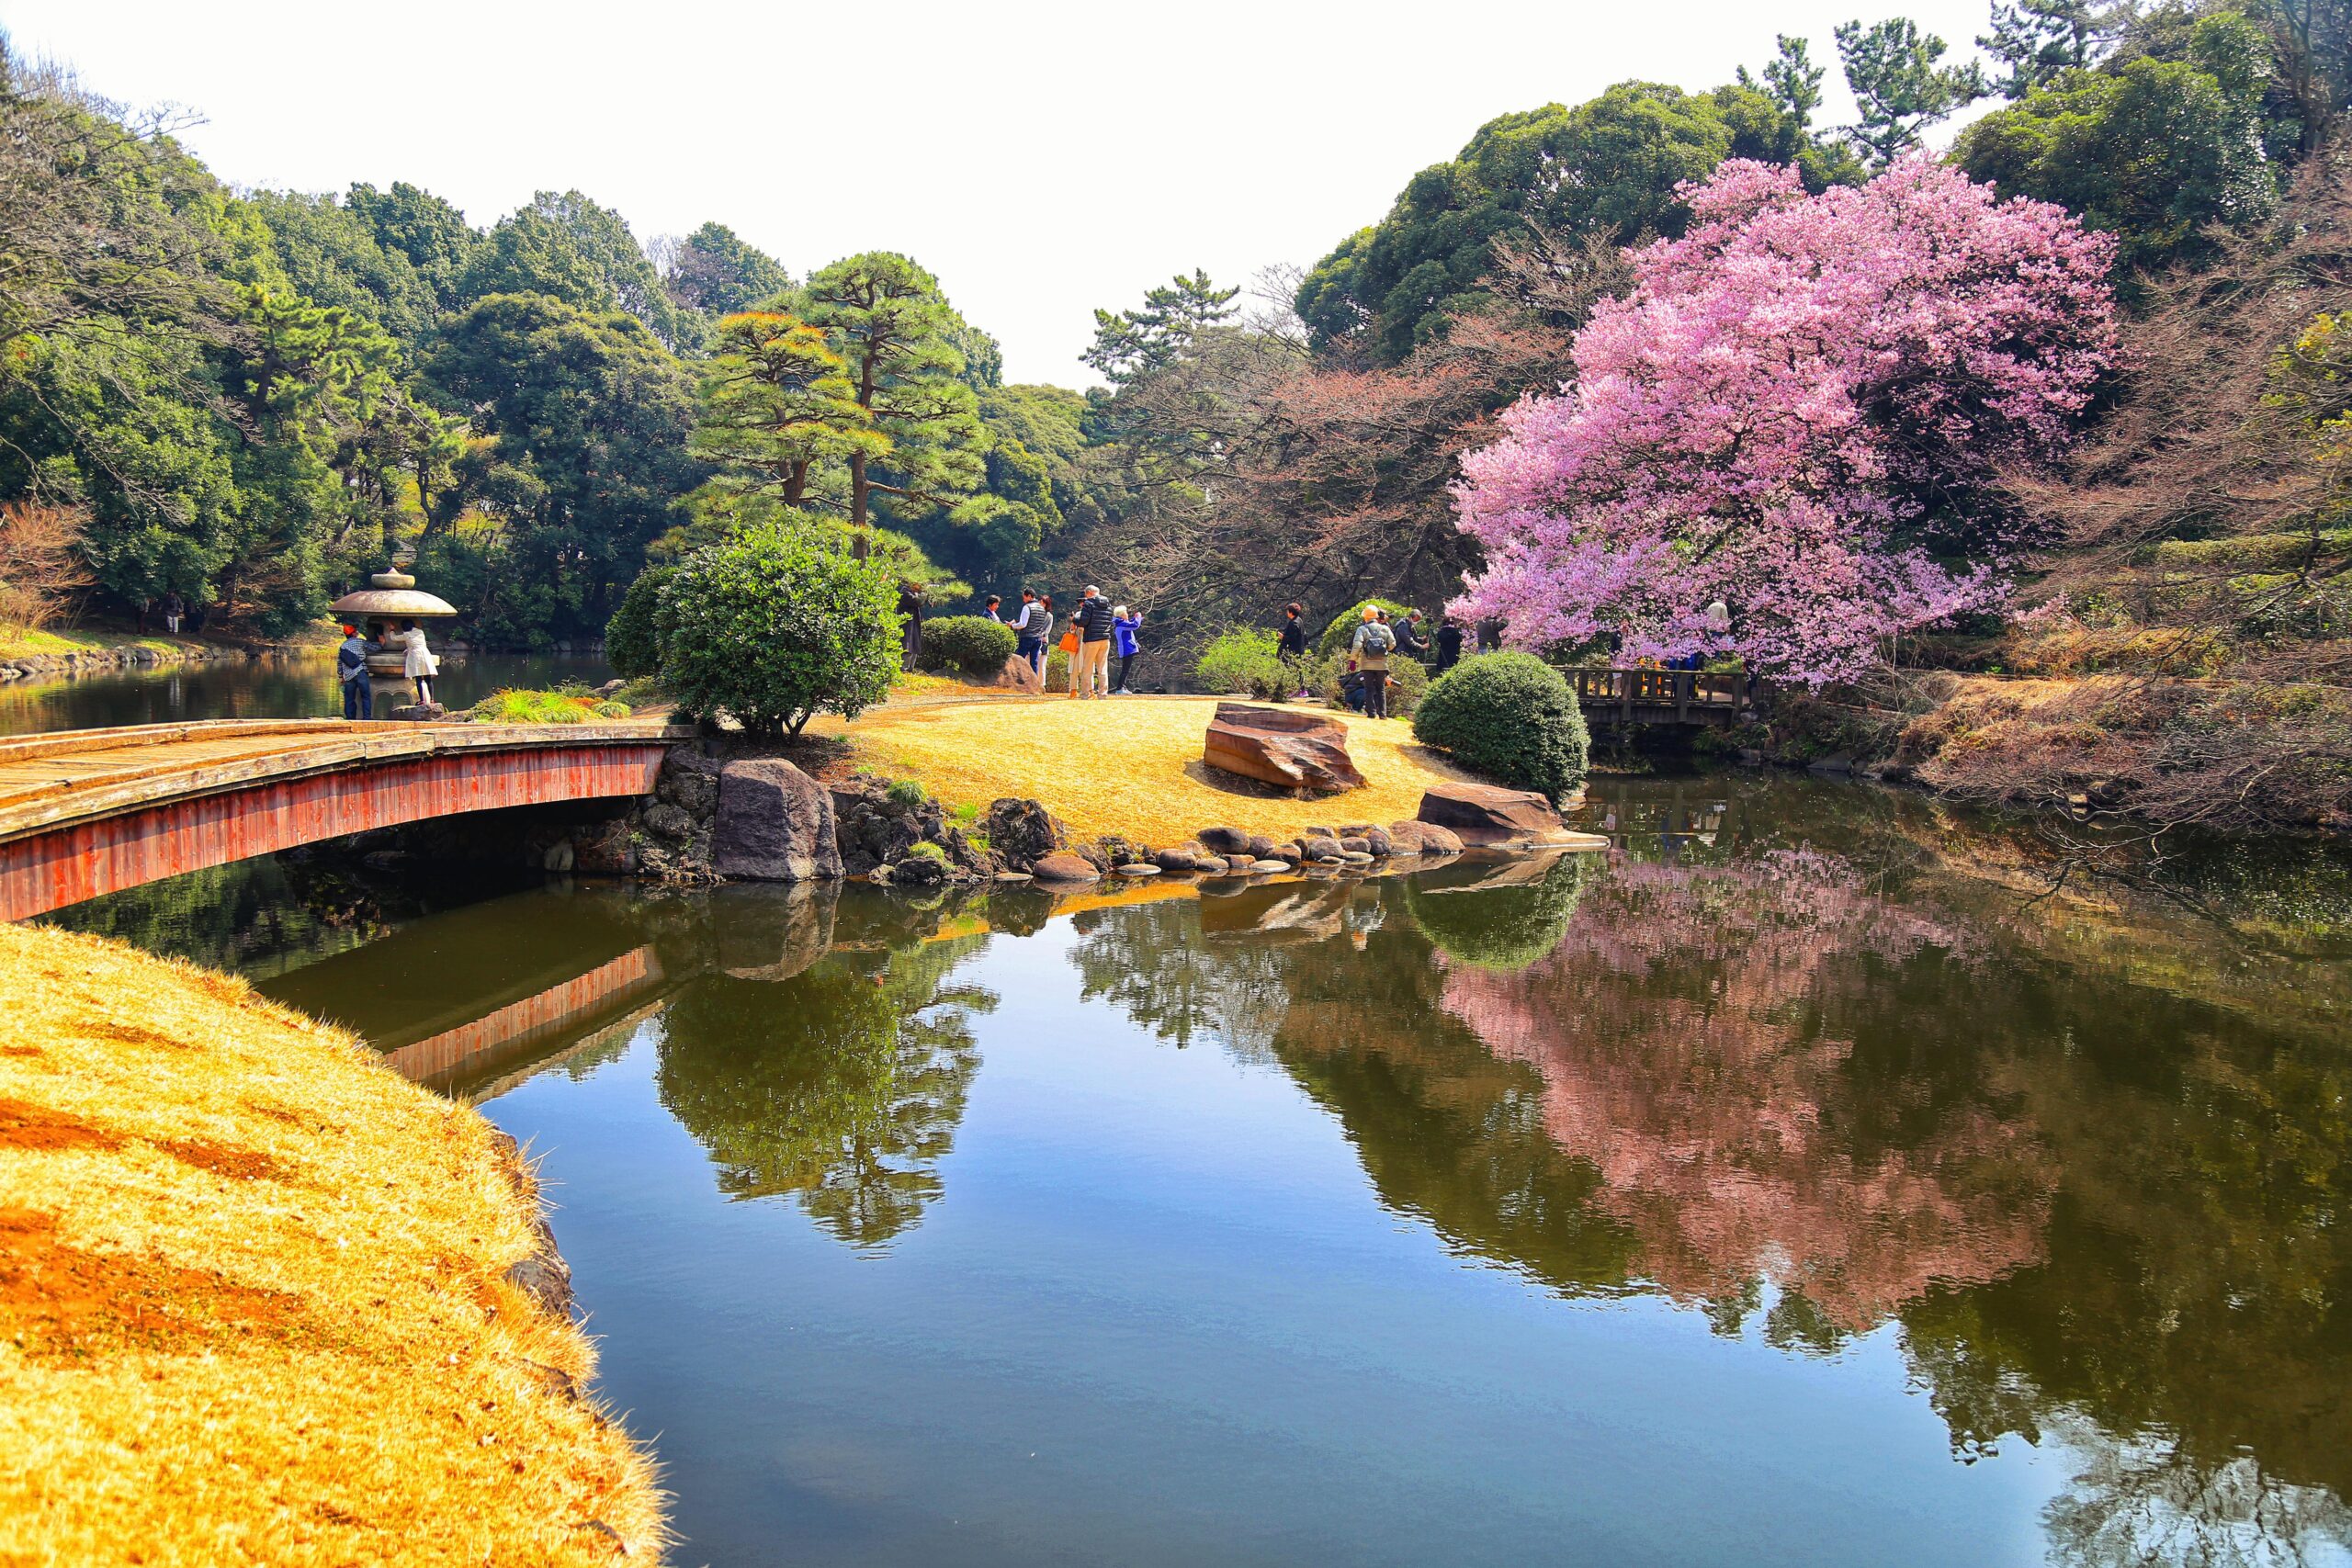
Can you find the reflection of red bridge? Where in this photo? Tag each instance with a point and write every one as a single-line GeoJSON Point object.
{"type": "Point", "coordinates": [86, 812]}
{"type": "Point", "coordinates": [516, 1029]}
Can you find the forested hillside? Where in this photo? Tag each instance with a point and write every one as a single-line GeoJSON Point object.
{"type": "Point", "coordinates": [2065, 400]}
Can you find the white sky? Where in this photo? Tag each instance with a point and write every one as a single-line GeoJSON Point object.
{"type": "Point", "coordinates": [1042, 159]}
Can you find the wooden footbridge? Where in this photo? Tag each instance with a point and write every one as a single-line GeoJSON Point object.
{"type": "Point", "coordinates": [91, 811]}
{"type": "Point", "coordinates": [1625, 698]}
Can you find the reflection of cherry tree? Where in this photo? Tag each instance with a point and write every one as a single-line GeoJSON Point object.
{"type": "Point", "coordinates": [1685, 1032]}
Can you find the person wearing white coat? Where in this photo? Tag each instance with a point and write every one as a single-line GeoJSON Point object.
{"type": "Point", "coordinates": [417, 661]}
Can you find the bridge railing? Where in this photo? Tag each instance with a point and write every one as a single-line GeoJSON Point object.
{"type": "Point", "coordinates": [1641, 695]}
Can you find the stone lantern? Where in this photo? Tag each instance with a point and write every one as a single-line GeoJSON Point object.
{"type": "Point", "coordinates": [391, 599]}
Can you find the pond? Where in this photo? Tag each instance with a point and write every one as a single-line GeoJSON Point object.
{"type": "Point", "coordinates": [289, 686]}
{"type": "Point", "coordinates": [1797, 1184]}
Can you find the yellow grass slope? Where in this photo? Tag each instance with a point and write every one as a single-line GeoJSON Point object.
{"type": "Point", "coordinates": [252, 1297]}
{"type": "Point", "coordinates": [1128, 765]}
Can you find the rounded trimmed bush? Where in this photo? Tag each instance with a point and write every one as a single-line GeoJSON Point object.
{"type": "Point", "coordinates": [973, 645]}
{"type": "Point", "coordinates": [632, 638]}
{"type": "Point", "coordinates": [1510, 717]}
{"type": "Point", "coordinates": [778, 625]}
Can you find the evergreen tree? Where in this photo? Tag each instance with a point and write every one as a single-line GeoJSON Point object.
{"type": "Point", "coordinates": [886, 319]}
{"type": "Point", "coordinates": [716, 272]}
{"type": "Point", "coordinates": [1898, 87]}
{"type": "Point", "coordinates": [1135, 342]}
{"type": "Point", "coordinates": [2041, 40]}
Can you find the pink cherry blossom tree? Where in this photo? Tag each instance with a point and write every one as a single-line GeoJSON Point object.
{"type": "Point", "coordinates": [1800, 410]}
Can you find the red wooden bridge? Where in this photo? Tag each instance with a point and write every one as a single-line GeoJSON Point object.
{"type": "Point", "coordinates": [86, 812]}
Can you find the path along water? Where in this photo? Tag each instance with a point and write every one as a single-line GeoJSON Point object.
{"type": "Point", "coordinates": [272, 687]}
{"type": "Point", "coordinates": [1791, 1186]}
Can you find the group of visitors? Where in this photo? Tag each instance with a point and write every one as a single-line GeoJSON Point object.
{"type": "Point", "coordinates": [1097, 632]}
{"type": "Point", "coordinates": [1364, 684]}
{"type": "Point", "coordinates": [417, 662]}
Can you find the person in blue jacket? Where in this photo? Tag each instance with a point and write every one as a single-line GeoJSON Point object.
{"type": "Point", "coordinates": [1123, 643]}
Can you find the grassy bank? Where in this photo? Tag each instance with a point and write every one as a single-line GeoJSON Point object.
{"type": "Point", "coordinates": [253, 1296]}
{"type": "Point", "coordinates": [1126, 765]}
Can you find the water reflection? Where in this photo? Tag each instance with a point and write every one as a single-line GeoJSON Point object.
{"type": "Point", "coordinates": [277, 686]}
{"type": "Point", "coordinates": [1815, 1064]}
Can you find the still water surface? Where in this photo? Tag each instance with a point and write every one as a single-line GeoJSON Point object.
{"type": "Point", "coordinates": [297, 686]}
{"type": "Point", "coordinates": [1789, 1186]}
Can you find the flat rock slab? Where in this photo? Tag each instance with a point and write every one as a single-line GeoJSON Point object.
{"type": "Point", "coordinates": [775, 824]}
{"type": "Point", "coordinates": [1139, 871]}
{"type": "Point", "coordinates": [1278, 746]}
{"type": "Point", "coordinates": [1488, 816]}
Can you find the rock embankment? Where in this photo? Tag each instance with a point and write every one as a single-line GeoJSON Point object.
{"type": "Point", "coordinates": [125, 656]}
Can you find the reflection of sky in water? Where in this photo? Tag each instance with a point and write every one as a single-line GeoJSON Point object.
{"type": "Point", "coordinates": [1784, 1189]}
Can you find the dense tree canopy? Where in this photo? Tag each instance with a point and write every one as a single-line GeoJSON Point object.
{"type": "Point", "coordinates": [1611, 166]}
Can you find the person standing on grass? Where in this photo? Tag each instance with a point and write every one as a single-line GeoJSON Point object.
{"type": "Point", "coordinates": [1409, 641]}
{"type": "Point", "coordinates": [351, 669]}
{"type": "Point", "coordinates": [910, 631]}
{"type": "Point", "coordinates": [1371, 648]}
{"type": "Point", "coordinates": [1029, 628]}
{"type": "Point", "coordinates": [1292, 645]}
{"type": "Point", "coordinates": [1123, 642]}
{"type": "Point", "coordinates": [174, 608]}
{"type": "Point", "coordinates": [1090, 670]}
{"type": "Point", "coordinates": [1448, 645]}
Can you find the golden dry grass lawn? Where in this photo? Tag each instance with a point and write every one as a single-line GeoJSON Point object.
{"type": "Point", "coordinates": [1128, 765]}
{"type": "Point", "coordinates": [252, 1297]}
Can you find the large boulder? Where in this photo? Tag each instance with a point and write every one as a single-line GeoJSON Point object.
{"type": "Point", "coordinates": [1489, 816]}
{"type": "Point", "coordinates": [1422, 839]}
{"type": "Point", "coordinates": [1224, 840]}
{"type": "Point", "coordinates": [1020, 676]}
{"type": "Point", "coordinates": [1286, 747]}
{"type": "Point", "coordinates": [1063, 866]}
{"type": "Point", "coordinates": [776, 824]}
{"type": "Point", "coordinates": [1021, 832]}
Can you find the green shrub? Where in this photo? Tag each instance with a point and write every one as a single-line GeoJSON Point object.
{"type": "Point", "coordinates": [632, 638]}
{"type": "Point", "coordinates": [612, 710]}
{"type": "Point", "coordinates": [972, 644]}
{"type": "Point", "coordinates": [1411, 679]}
{"type": "Point", "coordinates": [535, 708]}
{"type": "Point", "coordinates": [643, 692]}
{"type": "Point", "coordinates": [904, 793]}
{"type": "Point", "coordinates": [1342, 629]}
{"type": "Point", "coordinates": [1057, 669]}
{"type": "Point", "coordinates": [1510, 716]}
{"type": "Point", "coordinates": [1246, 660]}
{"type": "Point", "coordinates": [778, 625]}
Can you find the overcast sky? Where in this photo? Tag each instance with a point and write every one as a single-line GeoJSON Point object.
{"type": "Point", "coordinates": [1042, 159]}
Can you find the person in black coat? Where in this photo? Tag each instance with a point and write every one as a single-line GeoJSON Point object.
{"type": "Point", "coordinates": [1409, 641]}
{"type": "Point", "coordinates": [1449, 644]}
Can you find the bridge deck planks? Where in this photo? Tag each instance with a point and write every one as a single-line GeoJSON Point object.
{"type": "Point", "coordinates": [84, 815]}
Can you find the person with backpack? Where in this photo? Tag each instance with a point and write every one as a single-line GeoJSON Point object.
{"type": "Point", "coordinates": [1369, 648]}
{"type": "Point", "coordinates": [351, 669]}
{"type": "Point", "coordinates": [1123, 643]}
